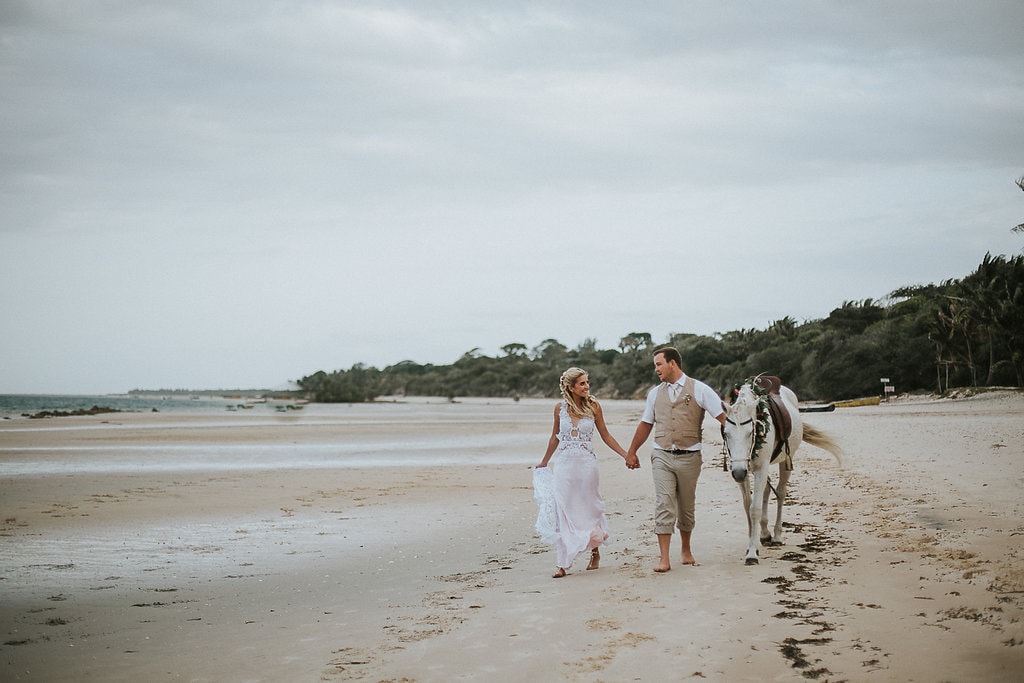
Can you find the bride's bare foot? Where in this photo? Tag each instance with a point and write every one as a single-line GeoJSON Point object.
{"type": "Point", "coordinates": [595, 559]}
{"type": "Point", "coordinates": [663, 567]}
{"type": "Point", "coordinates": [558, 574]}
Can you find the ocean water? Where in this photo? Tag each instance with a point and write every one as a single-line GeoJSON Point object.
{"type": "Point", "coordinates": [205, 437]}
{"type": "Point", "coordinates": [20, 405]}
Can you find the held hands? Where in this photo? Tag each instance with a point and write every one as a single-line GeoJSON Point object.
{"type": "Point", "coordinates": [632, 461]}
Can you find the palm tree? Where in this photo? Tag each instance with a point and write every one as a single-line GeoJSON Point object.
{"type": "Point", "coordinates": [1010, 314]}
{"type": "Point", "coordinates": [982, 293]}
{"type": "Point", "coordinates": [784, 328]}
{"type": "Point", "coordinates": [1020, 184]}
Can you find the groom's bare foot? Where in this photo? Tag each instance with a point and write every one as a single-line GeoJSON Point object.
{"type": "Point", "coordinates": [688, 558]}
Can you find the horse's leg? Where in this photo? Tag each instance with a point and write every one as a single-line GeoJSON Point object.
{"type": "Point", "coordinates": [745, 495]}
{"type": "Point", "coordinates": [780, 495]}
{"type": "Point", "coordinates": [765, 536]}
{"type": "Point", "coordinates": [760, 475]}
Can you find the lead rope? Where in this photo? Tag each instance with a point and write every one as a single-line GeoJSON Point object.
{"type": "Point", "coordinates": [725, 452]}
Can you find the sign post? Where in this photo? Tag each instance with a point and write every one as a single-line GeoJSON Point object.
{"type": "Point", "coordinates": [887, 389]}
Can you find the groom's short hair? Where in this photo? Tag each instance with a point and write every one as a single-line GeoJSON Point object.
{"type": "Point", "coordinates": [671, 353]}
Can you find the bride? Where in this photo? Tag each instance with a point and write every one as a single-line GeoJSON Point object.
{"type": "Point", "coordinates": [571, 508]}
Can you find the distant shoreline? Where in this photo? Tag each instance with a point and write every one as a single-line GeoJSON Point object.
{"type": "Point", "coordinates": [216, 393]}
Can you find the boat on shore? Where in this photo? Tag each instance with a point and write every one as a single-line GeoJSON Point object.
{"type": "Point", "coordinates": [857, 402]}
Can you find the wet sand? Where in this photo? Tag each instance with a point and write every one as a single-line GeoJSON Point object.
{"type": "Point", "coordinates": [394, 542]}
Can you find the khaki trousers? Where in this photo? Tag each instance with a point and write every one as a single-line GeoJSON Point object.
{"type": "Point", "coordinates": [675, 490]}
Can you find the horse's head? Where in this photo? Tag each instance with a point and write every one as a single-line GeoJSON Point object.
{"type": "Point", "coordinates": [740, 430]}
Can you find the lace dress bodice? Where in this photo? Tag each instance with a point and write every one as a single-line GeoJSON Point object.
{"type": "Point", "coordinates": [575, 437]}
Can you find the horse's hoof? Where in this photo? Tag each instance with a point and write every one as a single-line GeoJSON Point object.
{"type": "Point", "coordinates": [751, 561]}
{"type": "Point", "coordinates": [775, 544]}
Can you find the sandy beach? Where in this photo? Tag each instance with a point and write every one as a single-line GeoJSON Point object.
{"type": "Point", "coordinates": [395, 542]}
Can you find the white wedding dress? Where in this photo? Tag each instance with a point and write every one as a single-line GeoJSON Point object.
{"type": "Point", "coordinates": [570, 508]}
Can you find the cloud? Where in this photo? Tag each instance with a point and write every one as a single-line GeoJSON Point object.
{"type": "Point", "coordinates": [342, 182]}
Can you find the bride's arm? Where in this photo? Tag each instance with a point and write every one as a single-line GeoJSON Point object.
{"type": "Point", "coordinates": [602, 429]}
{"type": "Point", "coordinates": [552, 442]}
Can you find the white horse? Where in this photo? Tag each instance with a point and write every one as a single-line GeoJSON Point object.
{"type": "Point", "coordinates": [751, 444]}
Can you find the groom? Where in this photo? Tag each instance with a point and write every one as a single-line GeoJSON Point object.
{"type": "Point", "coordinates": [674, 412]}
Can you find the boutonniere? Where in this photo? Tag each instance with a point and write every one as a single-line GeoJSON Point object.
{"type": "Point", "coordinates": [687, 398]}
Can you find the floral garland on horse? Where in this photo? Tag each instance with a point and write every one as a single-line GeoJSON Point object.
{"type": "Point", "coordinates": [763, 416]}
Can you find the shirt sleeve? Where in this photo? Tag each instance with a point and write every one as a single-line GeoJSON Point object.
{"type": "Point", "coordinates": [708, 399]}
{"type": "Point", "coordinates": [648, 415]}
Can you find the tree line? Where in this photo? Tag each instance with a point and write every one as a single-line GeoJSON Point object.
{"type": "Point", "coordinates": [966, 332]}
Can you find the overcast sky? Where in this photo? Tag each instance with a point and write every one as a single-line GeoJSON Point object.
{"type": "Point", "coordinates": [238, 194]}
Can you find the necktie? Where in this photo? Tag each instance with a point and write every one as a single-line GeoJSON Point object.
{"type": "Point", "coordinates": [673, 392]}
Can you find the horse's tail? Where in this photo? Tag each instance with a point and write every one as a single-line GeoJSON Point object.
{"type": "Point", "coordinates": [816, 437]}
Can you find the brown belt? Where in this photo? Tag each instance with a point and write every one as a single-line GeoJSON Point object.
{"type": "Point", "coordinates": [677, 451]}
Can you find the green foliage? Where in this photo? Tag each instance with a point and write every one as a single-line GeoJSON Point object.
{"type": "Point", "coordinates": [924, 338]}
{"type": "Point", "coordinates": [356, 385]}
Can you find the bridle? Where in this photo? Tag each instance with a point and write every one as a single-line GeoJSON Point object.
{"type": "Point", "coordinates": [759, 415]}
{"type": "Point", "coordinates": [727, 453]}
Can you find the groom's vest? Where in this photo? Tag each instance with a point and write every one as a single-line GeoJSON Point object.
{"type": "Point", "coordinates": [677, 424]}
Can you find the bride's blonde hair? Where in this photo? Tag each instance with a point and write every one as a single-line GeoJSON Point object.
{"type": "Point", "coordinates": [567, 381]}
